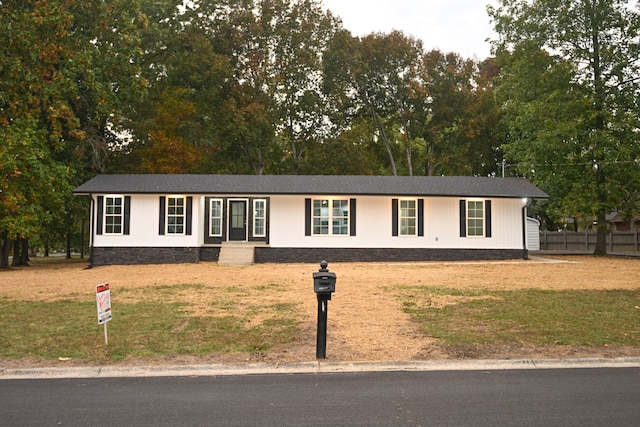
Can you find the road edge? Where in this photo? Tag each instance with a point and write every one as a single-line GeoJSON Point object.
{"type": "Point", "coordinates": [314, 367]}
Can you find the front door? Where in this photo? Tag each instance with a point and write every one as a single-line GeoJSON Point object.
{"type": "Point", "coordinates": [238, 220]}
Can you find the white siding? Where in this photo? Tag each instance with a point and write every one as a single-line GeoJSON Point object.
{"type": "Point", "coordinates": [144, 227]}
{"type": "Point", "coordinates": [373, 226]}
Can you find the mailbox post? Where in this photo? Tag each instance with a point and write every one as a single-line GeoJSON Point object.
{"type": "Point", "coordinates": [324, 284]}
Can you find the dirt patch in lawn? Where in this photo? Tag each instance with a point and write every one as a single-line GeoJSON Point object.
{"type": "Point", "coordinates": [366, 321]}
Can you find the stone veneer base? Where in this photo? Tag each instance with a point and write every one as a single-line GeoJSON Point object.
{"type": "Point", "coordinates": [282, 255]}
{"type": "Point", "coordinates": [179, 255]}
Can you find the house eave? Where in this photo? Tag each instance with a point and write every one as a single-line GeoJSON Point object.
{"type": "Point", "coordinates": [313, 185]}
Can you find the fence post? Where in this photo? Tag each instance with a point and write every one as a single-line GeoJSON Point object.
{"type": "Point", "coordinates": [586, 240]}
{"type": "Point", "coordinates": [611, 241]}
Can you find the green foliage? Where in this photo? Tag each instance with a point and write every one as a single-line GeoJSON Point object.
{"type": "Point", "coordinates": [569, 73]}
{"type": "Point", "coordinates": [240, 86]}
{"type": "Point", "coordinates": [67, 74]}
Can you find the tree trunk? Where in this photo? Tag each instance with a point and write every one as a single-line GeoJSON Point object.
{"type": "Point", "coordinates": [24, 253]}
{"type": "Point", "coordinates": [601, 236]}
{"type": "Point", "coordinates": [383, 136]}
{"type": "Point", "coordinates": [407, 141]}
{"type": "Point", "coordinates": [68, 245]}
{"type": "Point", "coordinates": [82, 241]}
{"type": "Point", "coordinates": [16, 252]}
{"type": "Point", "coordinates": [20, 252]}
{"type": "Point", "coordinates": [5, 247]}
{"type": "Point", "coordinates": [600, 125]}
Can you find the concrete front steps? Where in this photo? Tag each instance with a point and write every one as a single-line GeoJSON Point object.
{"type": "Point", "coordinates": [232, 253]}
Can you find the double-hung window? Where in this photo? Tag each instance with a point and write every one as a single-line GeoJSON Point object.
{"type": "Point", "coordinates": [331, 217]}
{"type": "Point", "coordinates": [113, 214]}
{"type": "Point", "coordinates": [408, 215]}
{"type": "Point", "coordinates": [259, 218]}
{"type": "Point", "coordinates": [175, 214]}
{"type": "Point", "coordinates": [475, 218]}
{"type": "Point", "coordinates": [215, 217]}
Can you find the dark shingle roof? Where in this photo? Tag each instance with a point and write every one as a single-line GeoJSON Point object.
{"type": "Point", "coordinates": [458, 186]}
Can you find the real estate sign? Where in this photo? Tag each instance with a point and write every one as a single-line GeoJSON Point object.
{"type": "Point", "coordinates": [103, 298]}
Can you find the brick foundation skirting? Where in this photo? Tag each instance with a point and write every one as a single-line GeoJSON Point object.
{"type": "Point", "coordinates": [141, 255]}
{"type": "Point", "coordinates": [180, 255]}
{"type": "Point", "coordinates": [282, 255]}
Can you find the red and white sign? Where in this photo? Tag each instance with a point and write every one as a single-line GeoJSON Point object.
{"type": "Point", "coordinates": [103, 298]}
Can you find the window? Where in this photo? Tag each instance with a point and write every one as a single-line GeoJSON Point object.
{"type": "Point", "coordinates": [259, 217]}
{"type": "Point", "coordinates": [215, 217]}
{"type": "Point", "coordinates": [331, 217]}
{"type": "Point", "coordinates": [175, 215]}
{"type": "Point", "coordinates": [113, 214]}
{"type": "Point", "coordinates": [475, 218]}
{"type": "Point", "coordinates": [340, 217]}
{"type": "Point", "coordinates": [408, 217]}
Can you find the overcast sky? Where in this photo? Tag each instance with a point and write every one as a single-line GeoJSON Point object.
{"type": "Point", "coordinates": [460, 26]}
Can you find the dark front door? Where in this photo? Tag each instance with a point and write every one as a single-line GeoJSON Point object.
{"type": "Point", "coordinates": [238, 220]}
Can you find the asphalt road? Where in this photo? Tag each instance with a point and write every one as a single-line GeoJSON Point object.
{"type": "Point", "coordinates": [553, 397]}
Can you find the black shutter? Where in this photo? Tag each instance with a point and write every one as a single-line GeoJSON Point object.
{"type": "Point", "coordinates": [163, 204]}
{"type": "Point", "coordinates": [352, 217]}
{"type": "Point", "coordinates": [420, 217]}
{"type": "Point", "coordinates": [487, 213]}
{"type": "Point", "coordinates": [394, 217]}
{"type": "Point", "coordinates": [100, 209]}
{"type": "Point", "coordinates": [207, 217]}
{"type": "Point", "coordinates": [307, 217]}
{"type": "Point", "coordinates": [189, 216]}
{"type": "Point", "coordinates": [463, 218]}
{"type": "Point", "coordinates": [126, 227]}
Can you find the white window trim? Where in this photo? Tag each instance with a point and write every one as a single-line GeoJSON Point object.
{"type": "Point", "coordinates": [211, 217]}
{"type": "Point", "coordinates": [184, 216]}
{"type": "Point", "coordinates": [105, 214]}
{"type": "Point", "coordinates": [330, 216]}
{"type": "Point", "coordinates": [484, 219]}
{"type": "Point", "coordinates": [263, 217]}
{"type": "Point", "coordinates": [400, 217]}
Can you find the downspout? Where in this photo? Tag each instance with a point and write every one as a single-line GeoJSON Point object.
{"type": "Point", "coordinates": [525, 251]}
{"type": "Point", "coordinates": [91, 230]}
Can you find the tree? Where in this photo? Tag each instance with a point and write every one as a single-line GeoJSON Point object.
{"type": "Point", "coordinates": [456, 115]}
{"type": "Point", "coordinates": [275, 51]}
{"type": "Point", "coordinates": [32, 184]}
{"type": "Point", "coordinates": [585, 120]}
{"type": "Point", "coordinates": [67, 73]}
{"type": "Point", "coordinates": [385, 74]}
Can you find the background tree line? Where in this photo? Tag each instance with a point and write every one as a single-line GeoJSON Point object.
{"type": "Point", "coordinates": [280, 87]}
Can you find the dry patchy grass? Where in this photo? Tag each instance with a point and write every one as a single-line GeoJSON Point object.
{"type": "Point", "coordinates": [366, 319]}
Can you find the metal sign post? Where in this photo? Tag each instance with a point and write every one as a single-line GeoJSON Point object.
{"type": "Point", "coordinates": [103, 300]}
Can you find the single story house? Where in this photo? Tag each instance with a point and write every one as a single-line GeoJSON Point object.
{"type": "Point", "coordinates": [148, 219]}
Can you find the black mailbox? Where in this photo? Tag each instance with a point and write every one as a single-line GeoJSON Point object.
{"type": "Point", "coordinates": [324, 281]}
